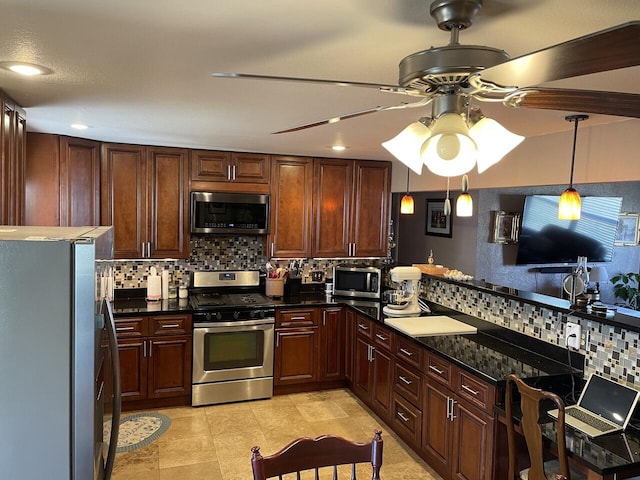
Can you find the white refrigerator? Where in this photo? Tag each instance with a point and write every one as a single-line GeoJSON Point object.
{"type": "Point", "coordinates": [59, 372]}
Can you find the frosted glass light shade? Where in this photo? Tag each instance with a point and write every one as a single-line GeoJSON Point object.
{"type": "Point", "coordinates": [569, 205]}
{"type": "Point", "coordinates": [406, 145]}
{"type": "Point", "coordinates": [464, 205]}
{"type": "Point", "coordinates": [407, 205]}
{"type": "Point", "coordinates": [449, 152]}
{"type": "Point", "coordinates": [493, 141]}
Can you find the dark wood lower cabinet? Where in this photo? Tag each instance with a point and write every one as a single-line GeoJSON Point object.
{"type": "Point", "coordinates": [155, 360]}
{"type": "Point", "coordinates": [295, 360]}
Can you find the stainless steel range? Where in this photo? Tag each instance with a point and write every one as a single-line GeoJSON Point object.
{"type": "Point", "coordinates": [233, 337]}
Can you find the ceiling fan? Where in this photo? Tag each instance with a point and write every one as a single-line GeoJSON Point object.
{"type": "Point", "coordinates": [442, 74]}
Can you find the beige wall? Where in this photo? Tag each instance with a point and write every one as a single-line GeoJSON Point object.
{"type": "Point", "coordinates": [604, 153]}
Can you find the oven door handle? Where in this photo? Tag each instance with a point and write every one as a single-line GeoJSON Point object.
{"type": "Point", "coordinates": [237, 324]}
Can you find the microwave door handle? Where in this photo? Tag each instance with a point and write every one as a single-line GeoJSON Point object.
{"type": "Point", "coordinates": [368, 283]}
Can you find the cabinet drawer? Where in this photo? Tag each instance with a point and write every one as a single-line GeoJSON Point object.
{"type": "Point", "coordinates": [408, 351]}
{"type": "Point", "coordinates": [131, 327]}
{"type": "Point", "coordinates": [171, 325]}
{"type": "Point", "coordinates": [364, 327]}
{"type": "Point", "coordinates": [383, 337]}
{"type": "Point", "coordinates": [475, 391]}
{"type": "Point", "coordinates": [439, 369]}
{"type": "Point", "coordinates": [407, 420]}
{"type": "Point", "coordinates": [407, 383]}
{"type": "Point", "coordinates": [295, 318]}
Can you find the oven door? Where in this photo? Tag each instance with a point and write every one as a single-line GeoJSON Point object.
{"type": "Point", "coordinates": [232, 351]}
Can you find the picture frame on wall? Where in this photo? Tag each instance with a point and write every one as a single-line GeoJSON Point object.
{"type": "Point", "coordinates": [437, 223]}
{"type": "Point", "coordinates": [506, 227]}
{"type": "Point", "coordinates": [628, 232]}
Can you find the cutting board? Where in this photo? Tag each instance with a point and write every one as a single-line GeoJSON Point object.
{"type": "Point", "coordinates": [431, 269]}
{"type": "Point", "coordinates": [429, 325]}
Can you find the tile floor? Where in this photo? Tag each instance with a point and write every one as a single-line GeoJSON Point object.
{"type": "Point", "coordinates": [214, 442]}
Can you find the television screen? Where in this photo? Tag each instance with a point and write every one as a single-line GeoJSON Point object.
{"type": "Point", "coordinates": [546, 239]}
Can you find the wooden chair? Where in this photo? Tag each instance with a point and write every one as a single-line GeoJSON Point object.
{"type": "Point", "coordinates": [530, 399]}
{"type": "Point", "coordinates": [314, 453]}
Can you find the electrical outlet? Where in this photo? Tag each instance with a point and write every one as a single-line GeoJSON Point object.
{"type": "Point", "coordinates": [572, 335]}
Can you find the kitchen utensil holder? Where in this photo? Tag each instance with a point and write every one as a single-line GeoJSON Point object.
{"type": "Point", "coordinates": [274, 287]}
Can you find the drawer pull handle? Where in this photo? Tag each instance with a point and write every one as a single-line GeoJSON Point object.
{"type": "Point", "coordinates": [406, 352]}
{"type": "Point", "coordinates": [363, 327]}
{"type": "Point", "coordinates": [408, 382]}
{"type": "Point", "coordinates": [435, 369]}
{"type": "Point", "coordinates": [470, 390]}
{"type": "Point", "coordinates": [403, 417]}
{"type": "Point", "coordinates": [124, 329]}
{"type": "Point", "coordinates": [298, 318]}
{"type": "Point", "coordinates": [381, 337]}
{"type": "Point", "coordinates": [171, 325]}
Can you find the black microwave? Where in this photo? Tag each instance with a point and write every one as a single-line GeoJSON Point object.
{"type": "Point", "coordinates": [357, 281]}
{"type": "Point", "coordinates": [229, 213]}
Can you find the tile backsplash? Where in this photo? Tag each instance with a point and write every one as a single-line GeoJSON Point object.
{"type": "Point", "coordinates": [210, 252]}
{"type": "Point", "coordinates": [608, 350]}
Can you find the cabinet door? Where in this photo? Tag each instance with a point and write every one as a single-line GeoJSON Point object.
{"type": "Point", "coordinates": [472, 447]}
{"type": "Point", "coordinates": [350, 323]}
{"type": "Point", "coordinates": [362, 381]}
{"type": "Point", "coordinates": [250, 168]}
{"type": "Point", "coordinates": [79, 182]}
{"type": "Point", "coordinates": [210, 166]}
{"type": "Point", "coordinates": [168, 219]}
{"type": "Point", "coordinates": [333, 181]}
{"type": "Point", "coordinates": [437, 428]}
{"type": "Point", "coordinates": [12, 162]}
{"type": "Point", "coordinates": [124, 198]}
{"type": "Point", "coordinates": [382, 382]}
{"type": "Point", "coordinates": [133, 368]}
{"type": "Point", "coordinates": [332, 334]}
{"type": "Point", "coordinates": [42, 170]}
{"type": "Point", "coordinates": [406, 420]}
{"type": "Point", "coordinates": [370, 217]}
{"type": "Point", "coordinates": [295, 356]}
{"type": "Point", "coordinates": [169, 372]}
{"type": "Point", "coordinates": [291, 201]}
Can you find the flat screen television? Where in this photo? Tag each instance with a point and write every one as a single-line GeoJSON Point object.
{"type": "Point", "coordinates": [546, 239]}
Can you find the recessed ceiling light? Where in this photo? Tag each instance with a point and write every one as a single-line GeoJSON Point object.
{"type": "Point", "coordinates": [24, 68]}
{"type": "Point", "coordinates": [79, 126]}
{"type": "Point", "coordinates": [338, 148]}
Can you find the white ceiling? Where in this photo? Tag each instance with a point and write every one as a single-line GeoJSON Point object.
{"type": "Point", "coordinates": [139, 71]}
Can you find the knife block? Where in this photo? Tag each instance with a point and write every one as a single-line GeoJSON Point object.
{"type": "Point", "coordinates": [292, 287]}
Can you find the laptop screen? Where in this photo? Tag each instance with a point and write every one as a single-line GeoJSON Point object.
{"type": "Point", "coordinates": [609, 399]}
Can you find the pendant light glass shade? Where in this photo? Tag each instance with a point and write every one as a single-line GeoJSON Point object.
{"type": "Point", "coordinates": [464, 203]}
{"type": "Point", "coordinates": [407, 204]}
{"type": "Point", "coordinates": [450, 151]}
{"type": "Point", "coordinates": [570, 205]}
{"type": "Point", "coordinates": [406, 145]}
{"type": "Point", "coordinates": [493, 141]}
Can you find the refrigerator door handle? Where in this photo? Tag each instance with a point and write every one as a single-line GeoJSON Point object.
{"type": "Point", "coordinates": [117, 392]}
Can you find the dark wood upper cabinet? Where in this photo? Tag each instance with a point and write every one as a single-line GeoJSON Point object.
{"type": "Point", "coordinates": [229, 171]}
{"type": "Point", "coordinates": [144, 197]}
{"type": "Point", "coordinates": [13, 130]}
{"type": "Point", "coordinates": [291, 207]}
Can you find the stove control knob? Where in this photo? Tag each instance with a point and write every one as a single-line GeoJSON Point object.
{"type": "Point", "coordinates": [253, 313]}
{"type": "Point", "coordinates": [261, 313]}
{"type": "Point", "coordinates": [218, 315]}
{"type": "Point", "coordinates": [207, 316]}
{"type": "Point", "coordinates": [236, 315]}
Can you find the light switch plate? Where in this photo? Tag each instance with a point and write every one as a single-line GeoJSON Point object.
{"type": "Point", "coordinates": [572, 335]}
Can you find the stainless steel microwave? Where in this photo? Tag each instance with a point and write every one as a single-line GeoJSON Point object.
{"type": "Point", "coordinates": [357, 281]}
{"type": "Point", "coordinates": [229, 213]}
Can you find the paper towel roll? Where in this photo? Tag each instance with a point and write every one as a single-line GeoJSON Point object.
{"type": "Point", "coordinates": [165, 284]}
{"type": "Point", "coordinates": [154, 288]}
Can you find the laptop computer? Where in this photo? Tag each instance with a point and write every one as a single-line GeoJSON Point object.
{"type": "Point", "coordinates": [604, 407]}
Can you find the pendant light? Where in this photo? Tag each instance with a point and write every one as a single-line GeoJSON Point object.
{"type": "Point", "coordinates": [447, 202]}
{"type": "Point", "coordinates": [407, 204]}
{"type": "Point", "coordinates": [464, 203]}
{"type": "Point", "coordinates": [570, 204]}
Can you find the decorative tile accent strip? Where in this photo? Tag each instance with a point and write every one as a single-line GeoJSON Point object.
{"type": "Point", "coordinates": [609, 351]}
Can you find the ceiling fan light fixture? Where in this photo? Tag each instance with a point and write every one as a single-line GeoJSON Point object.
{"type": "Point", "coordinates": [450, 151]}
{"type": "Point", "coordinates": [406, 145]}
{"type": "Point", "coordinates": [493, 142]}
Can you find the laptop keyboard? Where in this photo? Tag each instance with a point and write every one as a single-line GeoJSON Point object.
{"type": "Point", "coordinates": [591, 420]}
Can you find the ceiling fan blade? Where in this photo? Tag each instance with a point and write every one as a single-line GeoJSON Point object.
{"type": "Point", "coordinates": [340, 83]}
{"type": "Point", "coordinates": [425, 101]}
{"type": "Point", "coordinates": [585, 101]}
{"type": "Point", "coordinates": [610, 49]}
